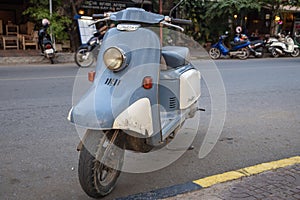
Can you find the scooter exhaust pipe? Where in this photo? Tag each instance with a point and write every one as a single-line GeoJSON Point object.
{"type": "Point", "coordinates": [258, 54]}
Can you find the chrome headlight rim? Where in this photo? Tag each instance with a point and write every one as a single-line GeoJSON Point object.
{"type": "Point", "coordinates": [122, 56]}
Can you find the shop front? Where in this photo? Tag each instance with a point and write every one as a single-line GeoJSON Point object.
{"type": "Point", "coordinates": [90, 7]}
{"type": "Point", "coordinates": [16, 32]}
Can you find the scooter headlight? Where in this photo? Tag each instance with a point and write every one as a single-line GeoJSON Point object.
{"type": "Point", "coordinates": [114, 58]}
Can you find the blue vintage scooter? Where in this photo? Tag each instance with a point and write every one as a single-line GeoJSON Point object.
{"type": "Point", "coordinates": [141, 95]}
{"type": "Point", "coordinates": [238, 48]}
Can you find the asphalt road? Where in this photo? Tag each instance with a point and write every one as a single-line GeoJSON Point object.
{"type": "Point", "coordinates": [38, 157]}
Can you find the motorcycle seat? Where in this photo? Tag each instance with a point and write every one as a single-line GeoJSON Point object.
{"type": "Point", "coordinates": [176, 56]}
{"type": "Point", "coordinates": [238, 43]}
{"type": "Point", "coordinates": [256, 42]}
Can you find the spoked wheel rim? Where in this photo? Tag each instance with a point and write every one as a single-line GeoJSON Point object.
{"type": "Point", "coordinates": [108, 162]}
{"type": "Point", "coordinates": [84, 58]}
{"type": "Point", "coordinates": [295, 53]}
{"type": "Point", "coordinates": [214, 53]}
{"type": "Point", "coordinates": [274, 53]}
{"type": "Point", "coordinates": [243, 53]}
{"type": "Point", "coordinates": [104, 175]}
{"type": "Point", "coordinates": [100, 162]}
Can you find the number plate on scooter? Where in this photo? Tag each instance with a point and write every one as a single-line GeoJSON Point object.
{"type": "Point", "coordinates": [48, 51]}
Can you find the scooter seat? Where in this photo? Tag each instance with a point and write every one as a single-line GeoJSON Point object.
{"type": "Point", "coordinates": [238, 43]}
{"type": "Point", "coordinates": [176, 56]}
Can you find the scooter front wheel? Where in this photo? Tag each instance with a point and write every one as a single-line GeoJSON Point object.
{"type": "Point", "coordinates": [274, 53]}
{"type": "Point", "coordinates": [84, 58]}
{"type": "Point", "coordinates": [100, 162]}
{"type": "Point", "coordinates": [295, 53]}
{"type": "Point", "coordinates": [214, 53]}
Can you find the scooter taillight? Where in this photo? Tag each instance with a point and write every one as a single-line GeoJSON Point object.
{"type": "Point", "coordinates": [48, 46]}
{"type": "Point", "coordinates": [147, 82]}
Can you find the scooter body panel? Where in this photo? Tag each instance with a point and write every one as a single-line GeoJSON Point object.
{"type": "Point", "coordinates": [113, 92]}
{"type": "Point", "coordinates": [179, 89]}
{"type": "Point", "coordinates": [285, 48]}
{"type": "Point", "coordinates": [221, 46]}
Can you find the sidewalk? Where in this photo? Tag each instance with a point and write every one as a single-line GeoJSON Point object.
{"type": "Point", "coordinates": [277, 180]}
{"type": "Point", "coordinates": [13, 57]}
{"type": "Point", "coordinates": [280, 184]}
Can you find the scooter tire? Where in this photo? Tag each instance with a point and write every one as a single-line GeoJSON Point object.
{"type": "Point", "coordinates": [244, 54]}
{"type": "Point", "coordinates": [52, 60]}
{"type": "Point", "coordinates": [90, 169]}
{"type": "Point", "coordinates": [295, 53]}
{"type": "Point", "coordinates": [274, 53]}
{"type": "Point", "coordinates": [214, 53]}
{"type": "Point", "coordinates": [84, 63]}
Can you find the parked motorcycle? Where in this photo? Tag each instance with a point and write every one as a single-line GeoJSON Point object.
{"type": "Point", "coordinates": [85, 55]}
{"type": "Point", "coordinates": [284, 46]}
{"type": "Point", "coordinates": [141, 95]}
{"type": "Point", "coordinates": [49, 51]}
{"type": "Point", "coordinates": [238, 48]}
{"type": "Point", "coordinates": [256, 48]}
{"type": "Point", "coordinates": [297, 39]}
{"type": "Point", "coordinates": [45, 42]}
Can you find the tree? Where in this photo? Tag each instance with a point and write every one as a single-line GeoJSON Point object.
{"type": "Point", "coordinates": [39, 9]}
{"type": "Point", "coordinates": [212, 18]}
{"type": "Point", "coordinates": [228, 11]}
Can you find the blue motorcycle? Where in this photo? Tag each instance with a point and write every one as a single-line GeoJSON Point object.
{"type": "Point", "coordinates": [239, 48]}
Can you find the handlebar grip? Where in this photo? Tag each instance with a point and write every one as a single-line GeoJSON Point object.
{"type": "Point", "coordinates": [98, 16]}
{"type": "Point", "coordinates": [181, 21]}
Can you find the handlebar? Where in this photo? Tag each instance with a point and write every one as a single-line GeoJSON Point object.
{"type": "Point", "coordinates": [98, 16]}
{"type": "Point", "coordinates": [106, 16]}
{"type": "Point", "coordinates": [181, 21]}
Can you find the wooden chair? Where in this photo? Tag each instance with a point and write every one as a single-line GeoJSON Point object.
{"type": "Point", "coordinates": [12, 29]}
{"type": "Point", "coordinates": [30, 40]}
{"type": "Point", "coordinates": [11, 40]}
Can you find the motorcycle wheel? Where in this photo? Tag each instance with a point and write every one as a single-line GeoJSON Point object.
{"type": "Point", "coordinates": [295, 53]}
{"type": "Point", "coordinates": [274, 53]}
{"type": "Point", "coordinates": [243, 53]}
{"type": "Point", "coordinates": [84, 58]}
{"type": "Point", "coordinates": [52, 60]}
{"type": "Point", "coordinates": [100, 163]}
{"type": "Point", "coordinates": [214, 53]}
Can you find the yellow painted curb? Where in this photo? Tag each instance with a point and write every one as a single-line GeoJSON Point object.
{"type": "Point", "coordinates": [247, 171]}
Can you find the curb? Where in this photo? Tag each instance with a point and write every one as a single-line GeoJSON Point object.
{"type": "Point", "coordinates": [59, 58]}
{"type": "Point", "coordinates": [213, 180]}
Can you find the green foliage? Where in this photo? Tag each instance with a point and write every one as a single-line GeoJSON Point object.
{"type": "Point", "coordinates": [212, 17]}
{"type": "Point", "coordinates": [39, 9]}
{"type": "Point", "coordinates": [227, 8]}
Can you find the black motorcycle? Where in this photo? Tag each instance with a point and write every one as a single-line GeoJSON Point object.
{"type": "Point", "coordinates": [257, 48]}
{"type": "Point", "coordinates": [85, 55]}
{"type": "Point", "coordinates": [46, 45]}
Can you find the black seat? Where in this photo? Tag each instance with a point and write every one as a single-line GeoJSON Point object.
{"type": "Point", "coordinates": [176, 56]}
{"type": "Point", "coordinates": [238, 43]}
